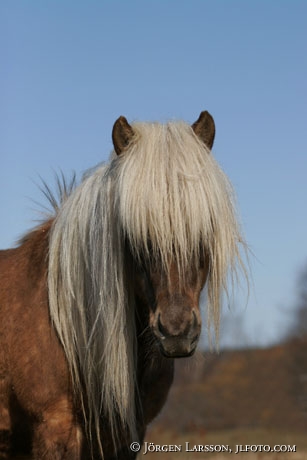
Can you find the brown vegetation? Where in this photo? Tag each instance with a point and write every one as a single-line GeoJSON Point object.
{"type": "Point", "coordinates": [256, 396]}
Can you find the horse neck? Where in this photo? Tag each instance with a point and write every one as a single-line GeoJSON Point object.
{"type": "Point", "coordinates": [34, 247]}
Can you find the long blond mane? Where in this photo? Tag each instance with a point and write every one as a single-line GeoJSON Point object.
{"type": "Point", "coordinates": [166, 189]}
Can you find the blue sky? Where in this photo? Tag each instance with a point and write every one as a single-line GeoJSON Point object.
{"type": "Point", "coordinates": [70, 68]}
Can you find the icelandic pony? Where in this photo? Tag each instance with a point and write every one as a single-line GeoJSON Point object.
{"type": "Point", "coordinates": [97, 301]}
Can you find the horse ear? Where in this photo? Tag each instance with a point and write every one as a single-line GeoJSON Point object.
{"type": "Point", "coordinates": [122, 134]}
{"type": "Point", "coordinates": [204, 128]}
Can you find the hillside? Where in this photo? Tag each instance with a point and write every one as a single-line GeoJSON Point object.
{"type": "Point", "coordinates": [245, 389]}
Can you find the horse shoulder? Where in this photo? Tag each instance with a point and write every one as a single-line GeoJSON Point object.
{"type": "Point", "coordinates": [35, 361]}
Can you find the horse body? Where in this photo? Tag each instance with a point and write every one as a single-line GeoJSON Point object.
{"type": "Point", "coordinates": [97, 302]}
{"type": "Point", "coordinates": [37, 405]}
{"type": "Point", "coordinates": [34, 374]}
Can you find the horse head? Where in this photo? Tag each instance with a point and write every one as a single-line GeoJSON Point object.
{"type": "Point", "coordinates": [171, 297]}
{"type": "Point", "coordinates": [172, 301]}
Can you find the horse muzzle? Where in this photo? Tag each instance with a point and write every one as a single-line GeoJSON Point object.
{"type": "Point", "coordinates": [180, 341]}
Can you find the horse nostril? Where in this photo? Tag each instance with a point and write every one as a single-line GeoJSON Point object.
{"type": "Point", "coordinates": [195, 340]}
{"type": "Point", "coordinates": [195, 322]}
{"type": "Point", "coordinates": [195, 327]}
{"type": "Point", "coordinates": [161, 328]}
